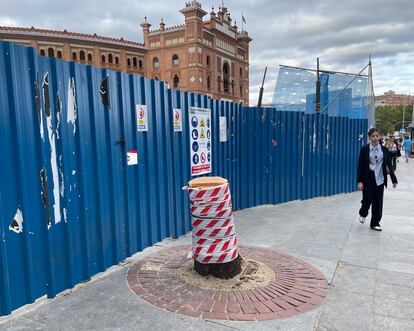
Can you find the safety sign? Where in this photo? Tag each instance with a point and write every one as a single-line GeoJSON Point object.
{"type": "Point", "coordinates": [200, 140]}
{"type": "Point", "coordinates": [132, 157]}
{"type": "Point", "coordinates": [177, 120]}
{"type": "Point", "coordinates": [142, 117]}
{"type": "Point", "coordinates": [223, 128]}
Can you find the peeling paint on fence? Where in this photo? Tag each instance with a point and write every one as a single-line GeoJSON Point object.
{"type": "Point", "coordinates": [16, 224]}
{"type": "Point", "coordinates": [72, 110]}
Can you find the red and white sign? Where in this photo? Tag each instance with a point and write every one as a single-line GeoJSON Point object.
{"type": "Point", "coordinates": [142, 117]}
{"type": "Point", "coordinates": [132, 157]}
{"type": "Point", "coordinates": [200, 140]}
{"type": "Point", "coordinates": [177, 120]}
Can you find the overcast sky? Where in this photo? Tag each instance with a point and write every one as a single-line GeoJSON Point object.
{"type": "Point", "coordinates": [341, 33]}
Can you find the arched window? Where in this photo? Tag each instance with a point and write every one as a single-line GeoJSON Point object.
{"type": "Point", "coordinates": [140, 64]}
{"type": "Point", "coordinates": [156, 78]}
{"type": "Point", "coordinates": [59, 54]}
{"type": "Point", "coordinates": [241, 90]}
{"type": "Point", "coordinates": [218, 83]}
{"type": "Point", "coordinates": [129, 62]}
{"type": "Point", "coordinates": [51, 52]}
{"type": "Point", "coordinates": [82, 55]}
{"type": "Point", "coordinates": [176, 81]}
{"type": "Point", "coordinates": [226, 77]}
{"type": "Point", "coordinates": [74, 56]}
{"type": "Point", "coordinates": [117, 60]}
{"type": "Point", "coordinates": [134, 61]}
{"type": "Point", "coordinates": [208, 60]}
{"type": "Point", "coordinates": [155, 62]}
{"type": "Point", "coordinates": [208, 83]}
{"type": "Point", "coordinates": [241, 73]}
{"type": "Point", "coordinates": [175, 60]}
{"type": "Point", "coordinates": [42, 52]}
{"type": "Point", "coordinates": [110, 59]}
{"type": "Point", "coordinates": [103, 60]}
{"type": "Point", "coordinates": [89, 57]}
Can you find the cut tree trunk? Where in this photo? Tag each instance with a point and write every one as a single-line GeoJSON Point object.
{"type": "Point", "coordinates": [219, 270]}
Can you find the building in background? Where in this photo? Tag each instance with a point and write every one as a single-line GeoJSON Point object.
{"type": "Point", "coordinates": [209, 57]}
{"type": "Point", "coordinates": [390, 98]}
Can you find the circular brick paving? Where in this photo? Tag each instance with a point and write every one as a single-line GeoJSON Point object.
{"type": "Point", "coordinates": [298, 287]}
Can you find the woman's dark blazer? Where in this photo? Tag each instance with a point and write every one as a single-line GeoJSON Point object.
{"type": "Point", "coordinates": [363, 165]}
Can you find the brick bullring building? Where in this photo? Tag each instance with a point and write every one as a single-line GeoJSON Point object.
{"type": "Point", "coordinates": [209, 57]}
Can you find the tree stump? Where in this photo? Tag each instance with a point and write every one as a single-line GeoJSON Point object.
{"type": "Point", "coordinates": [220, 270]}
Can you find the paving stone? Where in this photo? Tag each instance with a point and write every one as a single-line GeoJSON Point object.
{"type": "Point", "coordinates": [296, 284]}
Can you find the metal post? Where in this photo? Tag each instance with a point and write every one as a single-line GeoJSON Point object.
{"type": "Point", "coordinates": [403, 127]}
{"type": "Point", "coordinates": [318, 89]}
{"type": "Point", "coordinates": [259, 102]}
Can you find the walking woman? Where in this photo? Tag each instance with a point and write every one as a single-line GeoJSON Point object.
{"type": "Point", "coordinates": [373, 164]}
{"type": "Point", "coordinates": [393, 148]}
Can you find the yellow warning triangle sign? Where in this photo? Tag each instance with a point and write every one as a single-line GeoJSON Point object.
{"type": "Point", "coordinates": [202, 124]}
{"type": "Point", "coordinates": [202, 135]}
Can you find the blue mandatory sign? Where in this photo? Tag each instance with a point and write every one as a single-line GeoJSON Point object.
{"type": "Point", "coordinates": [195, 159]}
{"type": "Point", "coordinates": [195, 146]}
{"type": "Point", "coordinates": [208, 157]}
{"type": "Point", "coordinates": [208, 145]}
{"type": "Point", "coordinates": [208, 122]}
{"type": "Point", "coordinates": [208, 134]}
{"type": "Point", "coordinates": [194, 134]}
{"type": "Point", "coordinates": [194, 121]}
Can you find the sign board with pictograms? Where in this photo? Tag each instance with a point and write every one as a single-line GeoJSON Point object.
{"type": "Point", "coordinates": [200, 140]}
{"type": "Point", "coordinates": [142, 117]}
{"type": "Point", "coordinates": [177, 120]}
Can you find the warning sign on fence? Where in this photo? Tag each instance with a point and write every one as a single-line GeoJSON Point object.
{"type": "Point", "coordinates": [200, 140]}
{"type": "Point", "coordinates": [142, 117]}
{"type": "Point", "coordinates": [178, 123]}
{"type": "Point", "coordinates": [223, 128]}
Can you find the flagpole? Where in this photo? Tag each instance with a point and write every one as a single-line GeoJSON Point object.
{"type": "Point", "coordinates": [242, 22]}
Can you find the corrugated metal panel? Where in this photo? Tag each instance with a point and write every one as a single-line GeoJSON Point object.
{"type": "Point", "coordinates": [64, 167]}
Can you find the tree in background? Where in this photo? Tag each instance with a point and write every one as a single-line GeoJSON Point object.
{"type": "Point", "coordinates": [390, 118]}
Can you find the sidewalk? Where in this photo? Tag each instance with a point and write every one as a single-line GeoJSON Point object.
{"type": "Point", "coordinates": [371, 273]}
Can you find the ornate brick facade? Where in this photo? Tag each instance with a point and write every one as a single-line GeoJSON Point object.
{"type": "Point", "coordinates": [209, 57]}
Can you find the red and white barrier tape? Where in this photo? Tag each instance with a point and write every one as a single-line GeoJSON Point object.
{"type": "Point", "coordinates": [208, 194]}
{"type": "Point", "coordinates": [214, 236]}
{"type": "Point", "coordinates": [215, 232]}
{"type": "Point", "coordinates": [210, 222]}
{"type": "Point", "coordinates": [213, 210]}
{"type": "Point", "coordinates": [207, 246]}
{"type": "Point", "coordinates": [210, 241]}
{"type": "Point", "coordinates": [222, 257]}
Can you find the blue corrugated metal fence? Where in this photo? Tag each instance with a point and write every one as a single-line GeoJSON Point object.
{"type": "Point", "coordinates": [70, 206]}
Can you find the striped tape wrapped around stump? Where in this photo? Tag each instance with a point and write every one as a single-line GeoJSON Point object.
{"type": "Point", "coordinates": [214, 236]}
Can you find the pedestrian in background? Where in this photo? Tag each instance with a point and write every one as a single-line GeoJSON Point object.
{"type": "Point", "coordinates": [407, 144]}
{"type": "Point", "coordinates": [393, 148]}
{"type": "Point", "coordinates": [373, 165]}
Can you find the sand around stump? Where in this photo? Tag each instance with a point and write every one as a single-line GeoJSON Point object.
{"type": "Point", "coordinates": [254, 274]}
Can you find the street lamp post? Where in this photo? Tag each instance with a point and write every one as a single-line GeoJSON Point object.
{"type": "Point", "coordinates": [403, 118]}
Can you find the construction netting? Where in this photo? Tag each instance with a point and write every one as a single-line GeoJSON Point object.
{"type": "Point", "coordinates": [341, 94]}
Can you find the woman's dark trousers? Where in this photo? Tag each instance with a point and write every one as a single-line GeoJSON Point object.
{"type": "Point", "coordinates": [372, 195]}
